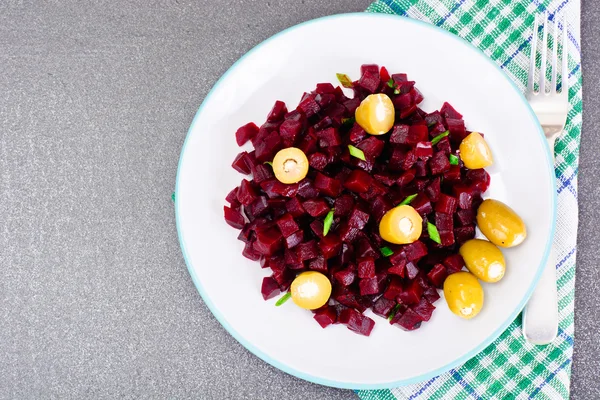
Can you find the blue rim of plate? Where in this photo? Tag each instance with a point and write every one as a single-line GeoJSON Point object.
{"type": "Point", "coordinates": [350, 385]}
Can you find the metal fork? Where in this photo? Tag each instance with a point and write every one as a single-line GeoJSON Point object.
{"type": "Point", "coordinates": [540, 317]}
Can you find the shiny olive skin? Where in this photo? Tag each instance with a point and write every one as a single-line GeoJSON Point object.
{"type": "Point", "coordinates": [464, 294]}
{"type": "Point", "coordinates": [311, 290]}
{"type": "Point", "coordinates": [500, 224]}
{"type": "Point", "coordinates": [376, 114]}
{"type": "Point", "coordinates": [474, 152]}
{"type": "Point", "coordinates": [401, 225]}
{"type": "Point", "coordinates": [483, 259]}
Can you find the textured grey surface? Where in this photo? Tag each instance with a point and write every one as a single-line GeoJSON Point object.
{"type": "Point", "coordinates": [95, 299]}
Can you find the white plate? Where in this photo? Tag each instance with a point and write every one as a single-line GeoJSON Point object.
{"type": "Point", "coordinates": [446, 69]}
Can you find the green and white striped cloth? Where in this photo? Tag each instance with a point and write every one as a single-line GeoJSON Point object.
{"type": "Point", "coordinates": [510, 368]}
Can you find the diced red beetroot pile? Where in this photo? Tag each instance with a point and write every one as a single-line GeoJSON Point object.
{"type": "Point", "coordinates": [282, 225]}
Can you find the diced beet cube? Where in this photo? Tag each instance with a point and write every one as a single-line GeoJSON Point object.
{"type": "Point", "coordinates": [464, 194]}
{"type": "Point", "coordinates": [318, 264]}
{"type": "Point", "coordinates": [266, 149]}
{"type": "Point", "coordinates": [274, 188]}
{"type": "Point", "coordinates": [327, 186]}
{"type": "Point", "coordinates": [345, 277]}
{"type": "Point", "coordinates": [369, 81]}
{"type": "Point", "coordinates": [364, 248]}
{"type": "Point", "coordinates": [372, 147]}
{"type": "Point", "coordinates": [366, 267]}
{"type": "Point", "coordinates": [446, 204]}
{"type": "Point", "coordinates": [424, 309]}
{"type": "Point", "coordinates": [443, 146]}
{"type": "Point", "coordinates": [261, 173]}
{"type": "Point", "coordinates": [246, 193]}
{"type": "Point", "coordinates": [351, 105]}
{"type": "Point", "coordinates": [309, 142]}
{"type": "Point", "coordinates": [398, 258]}
{"type": "Point", "coordinates": [457, 129]}
{"type": "Point", "coordinates": [258, 208]}
{"type": "Point", "coordinates": [415, 251]}
{"type": "Point", "coordinates": [379, 206]}
{"type": "Point", "coordinates": [232, 198]}
{"type": "Point", "coordinates": [268, 242]}
{"type": "Point", "coordinates": [398, 78]}
{"type": "Point", "coordinates": [325, 99]}
{"type": "Point", "coordinates": [383, 307]}
{"type": "Point", "coordinates": [330, 246]}
{"type": "Point", "coordinates": [347, 256]}
{"type": "Point", "coordinates": [357, 134]}
{"type": "Point", "coordinates": [439, 163]}
{"type": "Point", "coordinates": [325, 316]}
{"type": "Point", "coordinates": [234, 218]}
{"type": "Point", "coordinates": [291, 257]}
{"type": "Point", "coordinates": [465, 217]}
{"type": "Point", "coordinates": [433, 118]}
{"type": "Point", "coordinates": [316, 207]}
{"type": "Point", "coordinates": [307, 251]}
{"type": "Point", "coordinates": [400, 134]}
{"type": "Point", "coordinates": [325, 88]}
{"type": "Point", "coordinates": [245, 133]}
{"type": "Point", "coordinates": [347, 233]}
{"type": "Point", "coordinates": [329, 137]}
{"type": "Point", "coordinates": [453, 174]}
{"type": "Point", "coordinates": [294, 239]}
{"type": "Point", "coordinates": [398, 269]}
{"type": "Point", "coordinates": [309, 106]}
{"type": "Point", "coordinates": [402, 160]}
{"type": "Point", "coordinates": [277, 112]}
{"type": "Point", "coordinates": [357, 322]}
{"type": "Point", "coordinates": [250, 253]}
{"type": "Point", "coordinates": [424, 150]}
{"type": "Point", "coordinates": [358, 181]}
{"type": "Point", "coordinates": [406, 178]}
{"type": "Point", "coordinates": [294, 207]}
{"type": "Point", "coordinates": [358, 218]}
{"type": "Point", "coordinates": [421, 204]}
{"type": "Point", "coordinates": [443, 221]}
{"type": "Point", "coordinates": [416, 134]}
{"type": "Point", "coordinates": [343, 205]}
{"type": "Point", "coordinates": [437, 275]}
{"type": "Point", "coordinates": [447, 238]}
{"type": "Point", "coordinates": [369, 286]}
{"type": "Point", "coordinates": [346, 297]}
{"type": "Point", "coordinates": [394, 289]}
{"type": "Point", "coordinates": [408, 320]}
{"type": "Point", "coordinates": [421, 184]}
{"type": "Point", "coordinates": [479, 179]}
{"type": "Point", "coordinates": [287, 225]}
{"type": "Point", "coordinates": [433, 190]}
{"type": "Point", "coordinates": [306, 189]}
{"type": "Point", "coordinates": [431, 295]}
{"type": "Point", "coordinates": [411, 270]}
{"type": "Point", "coordinates": [449, 112]}
{"type": "Point", "coordinates": [464, 233]}
{"type": "Point", "coordinates": [289, 131]}
{"type": "Point", "coordinates": [405, 113]}
{"type": "Point", "coordinates": [411, 293]}
{"type": "Point", "coordinates": [417, 96]}
{"type": "Point", "coordinates": [318, 161]}
{"type": "Point", "coordinates": [454, 263]}
{"type": "Point", "coordinates": [270, 288]}
{"type": "Point", "coordinates": [385, 178]}
{"type": "Point", "coordinates": [403, 102]}
{"type": "Point", "coordinates": [317, 227]}
{"type": "Point", "coordinates": [240, 163]}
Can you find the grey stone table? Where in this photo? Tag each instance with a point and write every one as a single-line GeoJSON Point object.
{"type": "Point", "coordinates": [95, 102]}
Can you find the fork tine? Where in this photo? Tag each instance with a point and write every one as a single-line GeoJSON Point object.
{"type": "Point", "coordinates": [544, 55]}
{"type": "Point", "coordinates": [565, 58]}
{"type": "Point", "coordinates": [554, 56]}
{"type": "Point", "coordinates": [534, 38]}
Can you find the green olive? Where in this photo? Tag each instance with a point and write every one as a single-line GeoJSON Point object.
{"type": "Point", "coordinates": [483, 259]}
{"type": "Point", "coordinates": [500, 224]}
{"type": "Point", "coordinates": [464, 294]}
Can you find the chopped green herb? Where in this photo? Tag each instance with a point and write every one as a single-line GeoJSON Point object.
{"type": "Point", "coordinates": [347, 122]}
{"type": "Point", "coordinates": [439, 137]}
{"type": "Point", "coordinates": [327, 222]}
{"type": "Point", "coordinates": [268, 162]}
{"type": "Point", "coordinates": [408, 199]}
{"type": "Point", "coordinates": [391, 82]}
{"type": "Point", "coordinates": [394, 311]}
{"type": "Point", "coordinates": [356, 152]}
{"type": "Point", "coordinates": [433, 233]}
{"type": "Point", "coordinates": [431, 124]}
{"type": "Point", "coordinates": [396, 91]}
{"type": "Point", "coordinates": [173, 196]}
{"type": "Point", "coordinates": [453, 159]}
{"type": "Point", "coordinates": [283, 299]}
{"type": "Point", "coordinates": [386, 251]}
{"type": "Point", "coordinates": [345, 80]}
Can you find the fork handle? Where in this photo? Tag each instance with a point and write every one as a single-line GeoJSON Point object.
{"type": "Point", "coordinates": [540, 316]}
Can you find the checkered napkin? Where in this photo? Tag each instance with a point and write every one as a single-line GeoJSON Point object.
{"type": "Point", "coordinates": [510, 368]}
